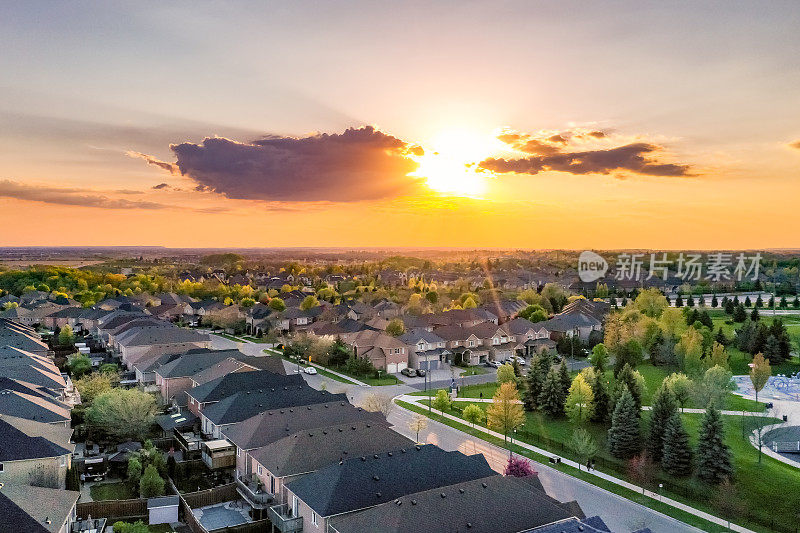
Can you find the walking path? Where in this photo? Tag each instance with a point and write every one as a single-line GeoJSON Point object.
{"type": "Point", "coordinates": [604, 512]}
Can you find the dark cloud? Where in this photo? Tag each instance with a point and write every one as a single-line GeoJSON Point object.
{"type": "Point", "coordinates": [597, 134]}
{"type": "Point", "coordinates": [795, 144]}
{"type": "Point", "coordinates": [359, 164]}
{"type": "Point", "coordinates": [635, 158]}
{"type": "Point", "coordinates": [160, 186]}
{"type": "Point", "coordinates": [67, 196]}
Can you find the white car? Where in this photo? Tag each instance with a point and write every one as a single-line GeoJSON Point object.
{"type": "Point", "coordinates": [310, 370]}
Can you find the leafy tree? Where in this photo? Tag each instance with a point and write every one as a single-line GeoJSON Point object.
{"type": "Point", "coordinates": [505, 414]}
{"type": "Point", "coordinates": [713, 455]}
{"type": "Point", "coordinates": [134, 469]}
{"type": "Point", "coordinates": [122, 413]}
{"type": "Point", "coordinates": [676, 455]}
{"type": "Point", "coordinates": [506, 374]}
{"type": "Point", "coordinates": [417, 424]}
{"type": "Point", "coordinates": [663, 408]}
{"type": "Point", "coordinates": [728, 503]}
{"type": "Point", "coordinates": [381, 403]}
{"type": "Point", "coordinates": [66, 337]}
{"type": "Point", "coordinates": [690, 352]}
{"type": "Point", "coordinates": [714, 387]}
{"type": "Point", "coordinates": [109, 368]}
{"type": "Point", "coordinates": [519, 467]}
{"type": "Point", "coordinates": [760, 371]}
{"type": "Point", "coordinates": [599, 358]}
{"type": "Point", "coordinates": [583, 445]}
{"type": "Point", "coordinates": [651, 302]}
{"type": "Point", "coordinates": [277, 304]}
{"type": "Point", "coordinates": [580, 400]}
{"type": "Point", "coordinates": [718, 355]}
{"type": "Point", "coordinates": [395, 327]}
{"type": "Point", "coordinates": [79, 364]}
{"type": "Point", "coordinates": [309, 302]}
{"type": "Point", "coordinates": [442, 401]}
{"type": "Point", "coordinates": [630, 353]}
{"type": "Point", "coordinates": [93, 385]}
{"type": "Point", "coordinates": [432, 297]}
{"type": "Point", "coordinates": [151, 484]}
{"type": "Point", "coordinates": [642, 470]}
{"type": "Point", "coordinates": [533, 385]}
{"type": "Point", "coordinates": [681, 387]}
{"type": "Point", "coordinates": [534, 313]}
{"type": "Point", "coordinates": [552, 397]}
{"type": "Point", "coordinates": [473, 414]}
{"type": "Point", "coordinates": [624, 436]}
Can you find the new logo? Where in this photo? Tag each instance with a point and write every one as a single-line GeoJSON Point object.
{"type": "Point", "coordinates": [591, 266]}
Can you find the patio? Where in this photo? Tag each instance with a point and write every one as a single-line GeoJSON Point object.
{"type": "Point", "coordinates": [223, 515]}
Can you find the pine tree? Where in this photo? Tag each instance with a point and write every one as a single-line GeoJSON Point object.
{"type": "Point", "coordinates": [754, 315]}
{"type": "Point", "coordinates": [714, 301]}
{"type": "Point", "coordinates": [664, 406]}
{"type": "Point", "coordinates": [533, 385]}
{"type": "Point", "coordinates": [679, 301]}
{"type": "Point", "coordinates": [627, 377]}
{"type": "Point", "coordinates": [677, 454]}
{"type": "Point", "coordinates": [739, 314]}
{"type": "Point", "coordinates": [563, 376]}
{"type": "Point", "coordinates": [624, 436]}
{"type": "Point", "coordinates": [713, 455]}
{"type": "Point", "coordinates": [552, 397]}
{"type": "Point", "coordinates": [602, 401]}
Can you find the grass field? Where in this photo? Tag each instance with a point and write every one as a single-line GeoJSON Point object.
{"type": "Point", "coordinates": [770, 481]}
{"type": "Point", "coordinates": [120, 490]}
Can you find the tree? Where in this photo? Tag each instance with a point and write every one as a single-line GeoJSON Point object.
{"type": "Point", "coordinates": [505, 412]}
{"type": "Point", "coordinates": [714, 387]}
{"type": "Point", "coordinates": [760, 371]}
{"type": "Point", "coordinates": [676, 455]}
{"type": "Point", "coordinates": [564, 377]}
{"type": "Point", "coordinates": [552, 397]}
{"type": "Point", "coordinates": [533, 385]}
{"type": "Point", "coordinates": [473, 414]}
{"type": "Point", "coordinates": [379, 403]}
{"type": "Point", "coordinates": [651, 302]}
{"type": "Point", "coordinates": [519, 467]}
{"type": "Point", "coordinates": [432, 297]}
{"type": "Point", "coordinates": [134, 469]}
{"type": "Point", "coordinates": [739, 314]}
{"type": "Point", "coordinates": [602, 400]}
{"type": "Point", "coordinates": [93, 385]}
{"type": "Point", "coordinates": [690, 352]}
{"type": "Point", "coordinates": [681, 387]}
{"type": "Point", "coordinates": [151, 484]}
{"type": "Point", "coordinates": [599, 358]}
{"type": "Point", "coordinates": [663, 408]}
{"type": "Point", "coordinates": [277, 304]}
{"type": "Point", "coordinates": [79, 364]}
{"type": "Point", "coordinates": [417, 424]}
{"type": "Point", "coordinates": [641, 470]}
{"type": "Point", "coordinates": [122, 413]}
{"type": "Point", "coordinates": [718, 355]}
{"type": "Point", "coordinates": [633, 381]}
{"type": "Point", "coordinates": [395, 327]}
{"type": "Point", "coordinates": [630, 353]}
{"type": "Point", "coordinates": [65, 336]}
{"type": "Point", "coordinates": [624, 436]}
{"type": "Point", "coordinates": [505, 374]}
{"type": "Point", "coordinates": [127, 527]}
{"type": "Point", "coordinates": [580, 400]}
{"type": "Point", "coordinates": [72, 481]}
{"type": "Point", "coordinates": [441, 401]}
{"type": "Point", "coordinates": [309, 302]}
{"type": "Point", "coordinates": [713, 455]}
{"type": "Point", "coordinates": [583, 445]}
{"type": "Point", "coordinates": [754, 316]}
{"type": "Point", "coordinates": [728, 503]}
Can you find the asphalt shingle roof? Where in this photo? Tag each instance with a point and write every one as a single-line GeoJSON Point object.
{"type": "Point", "coordinates": [15, 445]}
{"type": "Point", "coordinates": [220, 388]}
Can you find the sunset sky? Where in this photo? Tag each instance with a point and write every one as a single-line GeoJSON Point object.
{"type": "Point", "coordinates": [460, 124]}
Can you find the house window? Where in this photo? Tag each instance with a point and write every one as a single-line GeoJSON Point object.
{"type": "Point", "coordinates": [238, 452]}
{"type": "Point", "coordinates": [314, 518]}
{"type": "Point", "coordinates": [1, 467]}
{"type": "Point", "coordinates": [260, 470]}
{"type": "Point", "coordinates": [62, 460]}
{"type": "Point", "coordinates": [471, 344]}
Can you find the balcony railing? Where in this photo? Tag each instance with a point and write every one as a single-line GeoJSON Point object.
{"type": "Point", "coordinates": [250, 491]}
{"type": "Point", "coordinates": [278, 515]}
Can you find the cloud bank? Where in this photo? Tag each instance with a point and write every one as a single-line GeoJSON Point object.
{"type": "Point", "coordinates": [358, 164]}
{"type": "Point", "coordinates": [67, 196]}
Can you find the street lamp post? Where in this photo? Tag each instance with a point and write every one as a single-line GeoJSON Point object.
{"type": "Point", "coordinates": [511, 446]}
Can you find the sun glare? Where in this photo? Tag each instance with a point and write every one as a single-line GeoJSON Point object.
{"type": "Point", "coordinates": [449, 165]}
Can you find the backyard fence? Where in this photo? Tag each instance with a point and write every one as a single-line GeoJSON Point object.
{"type": "Point", "coordinates": [113, 509]}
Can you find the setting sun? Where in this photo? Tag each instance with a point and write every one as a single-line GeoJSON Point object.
{"type": "Point", "coordinates": [450, 164]}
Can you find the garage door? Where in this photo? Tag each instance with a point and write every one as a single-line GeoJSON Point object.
{"type": "Point", "coordinates": [401, 366]}
{"type": "Point", "coordinates": [434, 365]}
{"type": "Point", "coordinates": [391, 368]}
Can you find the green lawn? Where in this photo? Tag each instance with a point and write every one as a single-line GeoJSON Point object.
{"type": "Point", "coordinates": [120, 490]}
{"type": "Point", "coordinates": [771, 481]}
{"type": "Point", "coordinates": [474, 371]}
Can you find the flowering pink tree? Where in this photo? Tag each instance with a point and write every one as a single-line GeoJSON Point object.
{"type": "Point", "coordinates": [519, 467]}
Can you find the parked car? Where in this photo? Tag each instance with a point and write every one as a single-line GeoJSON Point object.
{"type": "Point", "coordinates": [410, 372]}
{"type": "Point", "coordinates": [421, 372]}
{"type": "Point", "coordinates": [494, 364]}
{"type": "Point", "coordinates": [310, 370]}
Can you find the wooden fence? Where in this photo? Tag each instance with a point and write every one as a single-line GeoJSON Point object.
{"type": "Point", "coordinates": [113, 509]}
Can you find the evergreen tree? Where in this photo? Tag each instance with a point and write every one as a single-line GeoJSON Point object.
{"type": "Point", "coordinates": [533, 385]}
{"type": "Point", "coordinates": [729, 307]}
{"type": "Point", "coordinates": [627, 379]}
{"type": "Point", "coordinates": [739, 314]}
{"type": "Point", "coordinates": [624, 436]}
{"type": "Point", "coordinates": [599, 358]}
{"type": "Point", "coordinates": [151, 484]}
{"type": "Point", "coordinates": [690, 301]}
{"type": "Point", "coordinates": [771, 301]}
{"type": "Point", "coordinates": [602, 401]}
{"type": "Point", "coordinates": [754, 315]}
{"type": "Point", "coordinates": [552, 397]}
{"type": "Point", "coordinates": [713, 455]}
{"type": "Point", "coordinates": [721, 338]}
{"type": "Point", "coordinates": [796, 302]}
{"type": "Point", "coordinates": [714, 301]}
{"type": "Point", "coordinates": [677, 454]}
{"type": "Point", "coordinates": [563, 376]}
{"type": "Point", "coordinates": [759, 301]}
{"type": "Point", "coordinates": [747, 302]}
{"type": "Point", "coordinates": [664, 406]}
{"type": "Point", "coordinates": [679, 301]}
{"type": "Point", "coordinates": [783, 302]}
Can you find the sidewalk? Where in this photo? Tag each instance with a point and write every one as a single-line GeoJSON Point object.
{"type": "Point", "coordinates": [602, 475]}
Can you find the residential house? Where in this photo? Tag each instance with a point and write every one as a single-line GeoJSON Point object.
{"type": "Point", "coordinates": [476, 505]}
{"type": "Point", "coordinates": [363, 482]}
{"type": "Point", "coordinates": [37, 509]}
{"type": "Point", "coordinates": [34, 453]}
{"type": "Point", "coordinates": [427, 349]}
{"type": "Point", "coordinates": [31, 368]}
{"type": "Point", "coordinates": [571, 324]}
{"type": "Point", "coordinates": [211, 392]}
{"type": "Point", "coordinates": [155, 340]}
{"type": "Point", "coordinates": [534, 338]}
{"type": "Point", "coordinates": [23, 337]}
{"type": "Point", "coordinates": [385, 352]}
{"type": "Point", "coordinates": [288, 459]}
